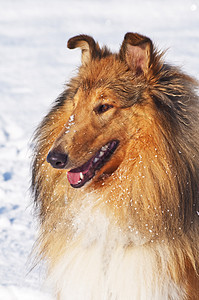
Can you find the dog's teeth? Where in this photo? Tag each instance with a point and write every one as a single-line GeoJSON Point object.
{"type": "Point", "coordinates": [81, 175]}
{"type": "Point", "coordinates": [96, 160]}
{"type": "Point", "coordinates": [101, 153]}
{"type": "Point", "coordinates": [104, 148]}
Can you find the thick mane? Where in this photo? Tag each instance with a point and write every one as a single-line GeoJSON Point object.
{"type": "Point", "coordinates": [177, 101]}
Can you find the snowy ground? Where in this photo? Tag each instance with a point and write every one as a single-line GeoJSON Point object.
{"type": "Point", "coordinates": [34, 65]}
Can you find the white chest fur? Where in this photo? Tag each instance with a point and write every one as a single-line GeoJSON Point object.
{"type": "Point", "coordinates": [98, 265]}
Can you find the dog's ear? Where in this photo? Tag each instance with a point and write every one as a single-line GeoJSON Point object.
{"type": "Point", "coordinates": [87, 45]}
{"type": "Point", "coordinates": [137, 51]}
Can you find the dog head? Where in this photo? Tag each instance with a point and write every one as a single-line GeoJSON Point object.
{"type": "Point", "coordinates": [105, 112]}
{"type": "Point", "coordinates": [126, 127]}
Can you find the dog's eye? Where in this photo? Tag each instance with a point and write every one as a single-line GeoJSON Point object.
{"type": "Point", "coordinates": [102, 108]}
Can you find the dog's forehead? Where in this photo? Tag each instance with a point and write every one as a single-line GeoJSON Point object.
{"type": "Point", "coordinates": [95, 94]}
{"type": "Point", "coordinates": [101, 72]}
{"type": "Point", "coordinates": [110, 77]}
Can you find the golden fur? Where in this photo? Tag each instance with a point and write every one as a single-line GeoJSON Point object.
{"type": "Point", "coordinates": [147, 191]}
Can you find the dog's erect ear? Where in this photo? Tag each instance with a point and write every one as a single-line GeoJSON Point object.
{"type": "Point", "coordinates": [87, 45]}
{"type": "Point", "coordinates": [137, 51]}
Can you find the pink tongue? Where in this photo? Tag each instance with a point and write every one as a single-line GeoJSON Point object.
{"type": "Point", "coordinates": [73, 178]}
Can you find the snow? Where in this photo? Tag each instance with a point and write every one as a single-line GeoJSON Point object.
{"type": "Point", "coordinates": [34, 66]}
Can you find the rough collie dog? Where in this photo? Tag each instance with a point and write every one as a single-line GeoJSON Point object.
{"type": "Point", "coordinates": [116, 178]}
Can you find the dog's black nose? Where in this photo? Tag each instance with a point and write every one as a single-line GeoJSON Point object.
{"type": "Point", "coordinates": [57, 159]}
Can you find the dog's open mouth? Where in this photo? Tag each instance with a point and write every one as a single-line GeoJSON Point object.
{"type": "Point", "coordinates": [79, 176]}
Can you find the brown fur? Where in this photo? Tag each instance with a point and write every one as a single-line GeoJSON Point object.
{"type": "Point", "coordinates": [151, 183]}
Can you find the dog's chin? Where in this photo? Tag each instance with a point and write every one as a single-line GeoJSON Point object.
{"type": "Point", "coordinates": [78, 177]}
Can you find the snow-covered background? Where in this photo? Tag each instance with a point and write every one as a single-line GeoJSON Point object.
{"type": "Point", "coordinates": [34, 65]}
